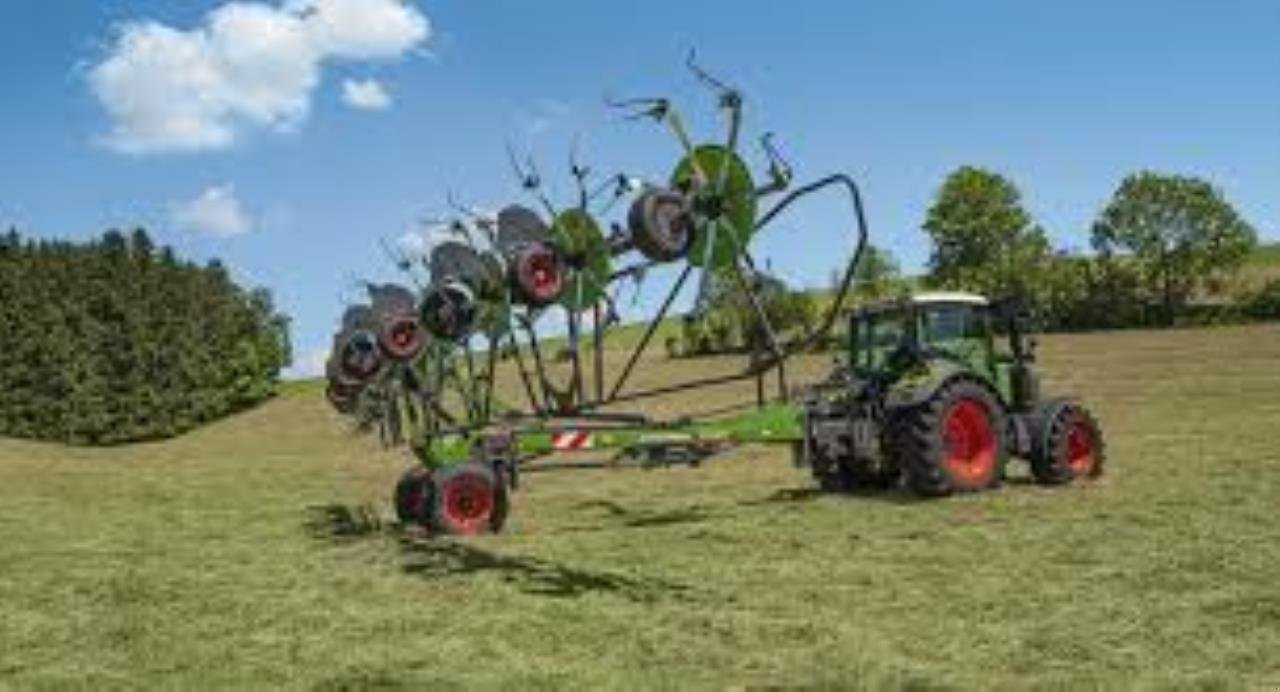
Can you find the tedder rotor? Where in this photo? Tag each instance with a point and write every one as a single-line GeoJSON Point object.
{"type": "Point", "coordinates": [922, 397]}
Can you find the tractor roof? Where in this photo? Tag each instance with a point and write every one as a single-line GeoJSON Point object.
{"type": "Point", "coordinates": [948, 297]}
{"type": "Point", "coordinates": [928, 298]}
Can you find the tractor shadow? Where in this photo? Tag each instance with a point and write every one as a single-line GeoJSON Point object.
{"type": "Point", "coordinates": [439, 557]}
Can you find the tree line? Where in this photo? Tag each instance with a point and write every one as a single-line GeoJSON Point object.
{"type": "Point", "coordinates": [1165, 250]}
{"type": "Point", "coordinates": [116, 340]}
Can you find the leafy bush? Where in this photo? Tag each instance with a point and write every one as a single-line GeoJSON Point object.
{"type": "Point", "coordinates": [1265, 303]}
{"type": "Point", "coordinates": [114, 341]}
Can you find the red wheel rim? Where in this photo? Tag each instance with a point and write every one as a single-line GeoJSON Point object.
{"type": "Point", "coordinates": [544, 275]}
{"type": "Point", "coordinates": [1080, 449]}
{"type": "Point", "coordinates": [971, 443]}
{"type": "Point", "coordinates": [403, 337]}
{"type": "Point", "coordinates": [467, 503]}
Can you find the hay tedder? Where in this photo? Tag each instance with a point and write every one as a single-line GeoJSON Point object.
{"type": "Point", "coordinates": [922, 397]}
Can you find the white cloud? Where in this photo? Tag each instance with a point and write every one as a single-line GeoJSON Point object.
{"type": "Point", "coordinates": [249, 65]}
{"type": "Point", "coordinates": [217, 211]}
{"type": "Point", "coordinates": [365, 95]}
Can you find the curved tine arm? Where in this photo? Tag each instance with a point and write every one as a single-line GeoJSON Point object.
{"type": "Point", "coordinates": [580, 173]}
{"type": "Point", "coordinates": [729, 96]}
{"type": "Point", "coordinates": [655, 108]}
{"type": "Point", "coordinates": [780, 173]}
{"type": "Point", "coordinates": [530, 179]}
{"type": "Point", "coordinates": [729, 99]}
{"type": "Point", "coordinates": [478, 218]}
{"type": "Point", "coordinates": [846, 282]}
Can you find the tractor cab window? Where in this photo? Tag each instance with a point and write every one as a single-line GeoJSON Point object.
{"type": "Point", "coordinates": [876, 336]}
{"type": "Point", "coordinates": [954, 328]}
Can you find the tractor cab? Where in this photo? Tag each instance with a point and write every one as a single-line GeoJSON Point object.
{"type": "Point", "coordinates": [943, 330]}
{"type": "Point", "coordinates": [891, 334]}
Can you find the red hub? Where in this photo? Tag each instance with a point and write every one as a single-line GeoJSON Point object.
{"type": "Point", "coordinates": [402, 338]}
{"type": "Point", "coordinates": [1081, 457]}
{"type": "Point", "coordinates": [544, 279]}
{"type": "Point", "coordinates": [970, 444]}
{"type": "Point", "coordinates": [467, 503]}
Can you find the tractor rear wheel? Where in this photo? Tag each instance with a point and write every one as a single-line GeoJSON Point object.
{"type": "Point", "coordinates": [412, 496]}
{"type": "Point", "coordinates": [468, 499]}
{"type": "Point", "coordinates": [1066, 444]}
{"type": "Point", "coordinates": [953, 442]}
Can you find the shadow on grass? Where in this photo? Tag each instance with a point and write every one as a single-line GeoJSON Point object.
{"type": "Point", "coordinates": [341, 523]}
{"type": "Point", "coordinates": [435, 558]}
{"type": "Point", "coordinates": [438, 557]}
{"type": "Point", "coordinates": [632, 519]}
{"type": "Point", "coordinates": [785, 496]}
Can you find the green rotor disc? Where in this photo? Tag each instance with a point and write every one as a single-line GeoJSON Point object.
{"type": "Point", "coordinates": [733, 205]}
{"type": "Point", "coordinates": [579, 237]}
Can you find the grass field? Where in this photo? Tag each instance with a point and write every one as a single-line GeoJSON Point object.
{"type": "Point", "coordinates": [259, 552]}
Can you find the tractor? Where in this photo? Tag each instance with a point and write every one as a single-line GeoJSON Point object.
{"type": "Point", "coordinates": [925, 398]}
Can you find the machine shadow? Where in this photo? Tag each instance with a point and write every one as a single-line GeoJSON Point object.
{"type": "Point", "coordinates": [804, 494]}
{"type": "Point", "coordinates": [619, 516]}
{"type": "Point", "coordinates": [435, 557]}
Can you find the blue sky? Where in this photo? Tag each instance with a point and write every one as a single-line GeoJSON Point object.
{"type": "Point", "coordinates": [294, 186]}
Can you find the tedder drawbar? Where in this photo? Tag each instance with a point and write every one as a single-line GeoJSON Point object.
{"type": "Point", "coordinates": [922, 396]}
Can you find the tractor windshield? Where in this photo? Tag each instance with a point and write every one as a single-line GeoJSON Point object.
{"type": "Point", "coordinates": [957, 329]}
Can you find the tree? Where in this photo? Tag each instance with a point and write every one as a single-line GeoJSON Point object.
{"type": "Point", "coordinates": [877, 273]}
{"type": "Point", "coordinates": [983, 240]}
{"type": "Point", "coordinates": [113, 341]}
{"type": "Point", "coordinates": [1179, 231]}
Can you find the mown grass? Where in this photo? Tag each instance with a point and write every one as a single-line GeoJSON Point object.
{"type": "Point", "coordinates": [260, 552]}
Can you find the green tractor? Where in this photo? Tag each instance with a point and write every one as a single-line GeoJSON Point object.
{"type": "Point", "coordinates": [926, 398]}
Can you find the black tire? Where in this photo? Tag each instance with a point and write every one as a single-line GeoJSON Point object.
{"type": "Point", "coordinates": [537, 275]}
{"type": "Point", "coordinates": [412, 496]}
{"type": "Point", "coordinates": [468, 499]}
{"type": "Point", "coordinates": [359, 358]}
{"type": "Point", "coordinates": [449, 310]}
{"type": "Point", "coordinates": [660, 224]}
{"type": "Point", "coordinates": [953, 442]}
{"type": "Point", "coordinates": [1066, 443]}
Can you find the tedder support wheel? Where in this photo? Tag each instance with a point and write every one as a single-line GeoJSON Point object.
{"type": "Point", "coordinates": [537, 275]}
{"type": "Point", "coordinates": [468, 499]}
{"type": "Point", "coordinates": [1066, 443]}
{"type": "Point", "coordinates": [954, 441]}
{"type": "Point", "coordinates": [661, 226]}
{"type": "Point", "coordinates": [412, 496]}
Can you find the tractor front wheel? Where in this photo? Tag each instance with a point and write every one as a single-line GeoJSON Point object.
{"type": "Point", "coordinates": [1066, 444]}
{"type": "Point", "coordinates": [953, 442]}
{"type": "Point", "coordinates": [469, 499]}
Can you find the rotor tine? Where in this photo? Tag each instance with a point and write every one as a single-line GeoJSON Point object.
{"type": "Point", "coordinates": [645, 107]}
{"type": "Point", "coordinates": [729, 96]}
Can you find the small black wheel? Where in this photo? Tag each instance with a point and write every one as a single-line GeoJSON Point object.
{"type": "Point", "coordinates": [1066, 443]}
{"type": "Point", "coordinates": [413, 496]}
{"type": "Point", "coordinates": [359, 358]}
{"type": "Point", "coordinates": [953, 442]}
{"type": "Point", "coordinates": [468, 499]}
{"type": "Point", "coordinates": [661, 226]}
{"type": "Point", "coordinates": [449, 310]}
